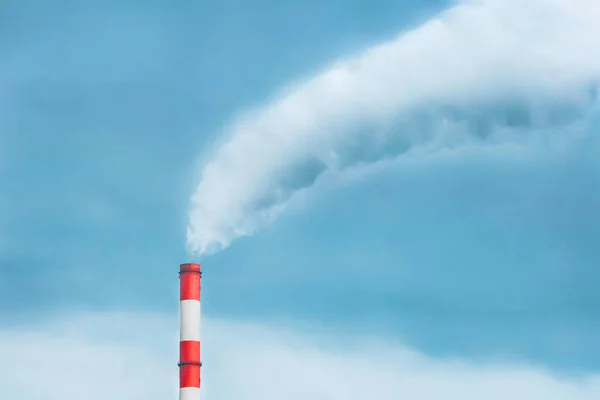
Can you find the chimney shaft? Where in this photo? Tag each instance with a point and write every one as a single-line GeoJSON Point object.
{"type": "Point", "coordinates": [189, 331]}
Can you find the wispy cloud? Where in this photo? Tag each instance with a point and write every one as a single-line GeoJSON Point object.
{"type": "Point", "coordinates": [99, 357]}
{"type": "Point", "coordinates": [114, 356]}
{"type": "Point", "coordinates": [483, 72]}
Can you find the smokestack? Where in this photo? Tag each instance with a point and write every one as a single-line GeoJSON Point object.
{"type": "Point", "coordinates": [189, 332]}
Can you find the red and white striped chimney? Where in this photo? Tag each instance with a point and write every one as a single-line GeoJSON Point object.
{"type": "Point", "coordinates": [189, 332]}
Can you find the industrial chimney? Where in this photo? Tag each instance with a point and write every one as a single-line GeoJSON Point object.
{"type": "Point", "coordinates": [189, 332]}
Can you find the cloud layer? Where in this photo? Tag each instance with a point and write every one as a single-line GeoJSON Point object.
{"type": "Point", "coordinates": [112, 356]}
{"type": "Point", "coordinates": [483, 72]}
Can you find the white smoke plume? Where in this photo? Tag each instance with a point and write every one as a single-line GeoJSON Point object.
{"type": "Point", "coordinates": [483, 72]}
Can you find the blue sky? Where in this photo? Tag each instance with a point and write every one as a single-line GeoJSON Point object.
{"type": "Point", "coordinates": [409, 254]}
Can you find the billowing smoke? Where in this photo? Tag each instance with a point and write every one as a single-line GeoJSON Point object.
{"type": "Point", "coordinates": [481, 73]}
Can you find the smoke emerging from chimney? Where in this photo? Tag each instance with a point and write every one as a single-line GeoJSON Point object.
{"type": "Point", "coordinates": [482, 73]}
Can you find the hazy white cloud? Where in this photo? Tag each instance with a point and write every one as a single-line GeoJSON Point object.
{"type": "Point", "coordinates": [484, 71]}
{"type": "Point", "coordinates": [101, 357]}
{"type": "Point", "coordinates": [128, 356]}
